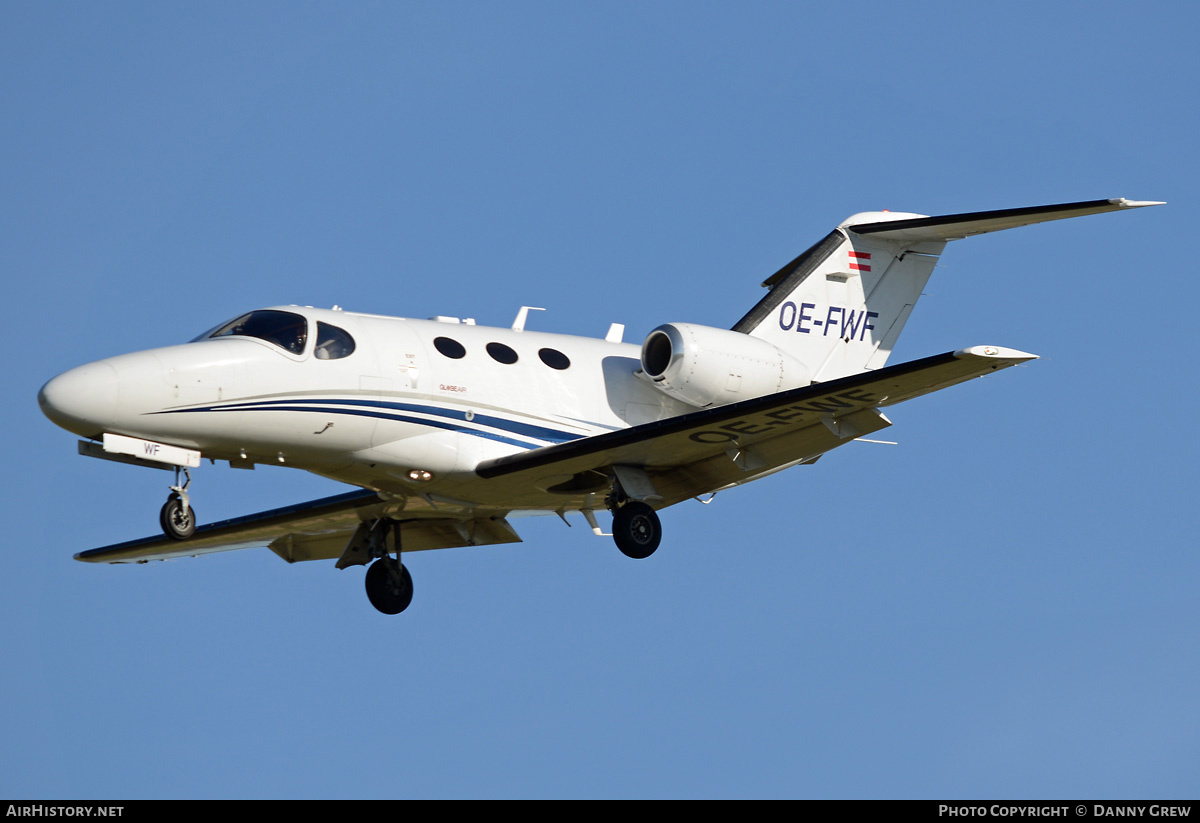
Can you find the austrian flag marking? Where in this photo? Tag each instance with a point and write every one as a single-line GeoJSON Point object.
{"type": "Point", "coordinates": [863, 258]}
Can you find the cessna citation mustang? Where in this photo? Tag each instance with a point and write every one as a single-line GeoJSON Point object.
{"type": "Point", "coordinates": [450, 428]}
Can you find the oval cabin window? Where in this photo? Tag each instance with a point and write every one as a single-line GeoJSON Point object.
{"type": "Point", "coordinates": [554, 359]}
{"type": "Point", "coordinates": [501, 353]}
{"type": "Point", "coordinates": [449, 347]}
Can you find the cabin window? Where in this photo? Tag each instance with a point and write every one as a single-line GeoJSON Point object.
{"type": "Point", "coordinates": [501, 353]}
{"type": "Point", "coordinates": [449, 347]}
{"type": "Point", "coordinates": [554, 359]}
{"type": "Point", "coordinates": [332, 343]}
{"type": "Point", "coordinates": [283, 328]}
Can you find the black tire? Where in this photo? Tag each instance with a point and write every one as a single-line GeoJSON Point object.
{"type": "Point", "coordinates": [175, 524]}
{"type": "Point", "coordinates": [636, 530]}
{"type": "Point", "coordinates": [383, 593]}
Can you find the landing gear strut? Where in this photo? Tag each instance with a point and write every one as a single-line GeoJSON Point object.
{"type": "Point", "coordinates": [177, 517]}
{"type": "Point", "coordinates": [636, 530]}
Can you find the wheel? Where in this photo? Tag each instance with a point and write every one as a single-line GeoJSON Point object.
{"type": "Point", "coordinates": [636, 530]}
{"type": "Point", "coordinates": [175, 524]}
{"type": "Point", "coordinates": [384, 594]}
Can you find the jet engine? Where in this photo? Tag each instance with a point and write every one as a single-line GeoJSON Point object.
{"type": "Point", "coordinates": [704, 366]}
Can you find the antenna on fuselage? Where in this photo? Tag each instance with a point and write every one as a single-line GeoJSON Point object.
{"type": "Point", "coordinates": [522, 315]}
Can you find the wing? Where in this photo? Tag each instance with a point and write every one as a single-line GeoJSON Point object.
{"type": "Point", "coordinates": [316, 530]}
{"type": "Point", "coordinates": [715, 448]}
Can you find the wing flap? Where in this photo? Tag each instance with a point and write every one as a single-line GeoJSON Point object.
{"type": "Point", "coordinates": [415, 536]}
{"type": "Point", "coordinates": [741, 464]}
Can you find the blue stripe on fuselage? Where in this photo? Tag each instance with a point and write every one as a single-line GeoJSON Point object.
{"type": "Point", "coordinates": [322, 405]}
{"type": "Point", "coordinates": [438, 424]}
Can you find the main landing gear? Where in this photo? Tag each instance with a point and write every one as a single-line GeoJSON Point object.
{"type": "Point", "coordinates": [389, 585]}
{"type": "Point", "coordinates": [636, 529]}
{"type": "Point", "coordinates": [177, 517]}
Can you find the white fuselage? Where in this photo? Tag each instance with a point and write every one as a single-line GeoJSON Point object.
{"type": "Point", "coordinates": [396, 415]}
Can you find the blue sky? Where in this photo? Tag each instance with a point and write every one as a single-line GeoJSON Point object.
{"type": "Point", "coordinates": [1002, 606]}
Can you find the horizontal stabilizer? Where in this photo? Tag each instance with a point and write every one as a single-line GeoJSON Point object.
{"type": "Point", "coordinates": [957, 226]}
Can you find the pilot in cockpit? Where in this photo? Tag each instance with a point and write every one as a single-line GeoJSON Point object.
{"type": "Point", "coordinates": [332, 343]}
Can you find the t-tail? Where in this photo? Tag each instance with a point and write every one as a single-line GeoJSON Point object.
{"type": "Point", "coordinates": [840, 306]}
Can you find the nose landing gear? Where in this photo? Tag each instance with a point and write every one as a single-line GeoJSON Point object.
{"type": "Point", "coordinates": [177, 517]}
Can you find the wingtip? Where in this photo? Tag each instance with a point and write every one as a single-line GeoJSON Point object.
{"type": "Point", "coordinates": [1137, 204]}
{"type": "Point", "coordinates": [996, 353]}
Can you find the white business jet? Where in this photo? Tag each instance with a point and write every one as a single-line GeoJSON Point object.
{"type": "Point", "coordinates": [449, 428]}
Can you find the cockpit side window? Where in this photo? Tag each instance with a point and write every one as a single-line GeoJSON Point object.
{"type": "Point", "coordinates": [283, 328]}
{"type": "Point", "coordinates": [332, 343]}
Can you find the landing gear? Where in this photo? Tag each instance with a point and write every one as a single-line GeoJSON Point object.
{"type": "Point", "coordinates": [389, 585]}
{"type": "Point", "coordinates": [178, 522]}
{"type": "Point", "coordinates": [177, 517]}
{"type": "Point", "coordinates": [636, 530]}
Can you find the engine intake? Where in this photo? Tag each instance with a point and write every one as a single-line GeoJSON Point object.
{"type": "Point", "coordinates": [704, 366]}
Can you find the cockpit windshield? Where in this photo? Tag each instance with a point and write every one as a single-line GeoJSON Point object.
{"type": "Point", "coordinates": [283, 328]}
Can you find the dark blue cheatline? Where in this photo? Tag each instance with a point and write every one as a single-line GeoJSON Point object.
{"type": "Point", "coordinates": [382, 409]}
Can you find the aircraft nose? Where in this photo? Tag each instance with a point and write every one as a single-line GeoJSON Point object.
{"type": "Point", "coordinates": [82, 400]}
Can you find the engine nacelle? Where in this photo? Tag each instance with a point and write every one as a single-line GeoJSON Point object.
{"type": "Point", "coordinates": [704, 366]}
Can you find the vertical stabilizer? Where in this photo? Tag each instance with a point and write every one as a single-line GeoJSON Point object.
{"type": "Point", "coordinates": [840, 306]}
